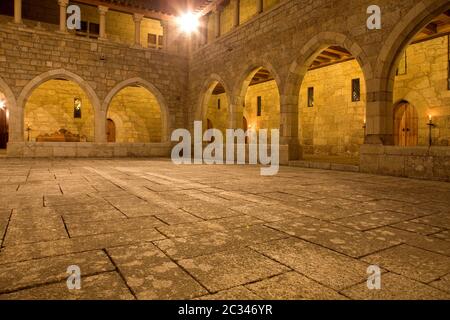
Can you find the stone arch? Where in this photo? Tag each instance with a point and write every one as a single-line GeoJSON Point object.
{"type": "Point", "coordinates": [207, 89]}
{"type": "Point", "coordinates": [165, 114]}
{"type": "Point", "coordinates": [67, 75]}
{"type": "Point", "coordinates": [240, 90]}
{"type": "Point", "coordinates": [14, 114]}
{"type": "Point", "coordinates": [311, 49]}
{"type": "Point", "coordinates": [400, 37]}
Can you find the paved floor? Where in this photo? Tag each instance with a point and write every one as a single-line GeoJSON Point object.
{"type": "Point", "coordinates": [152, 230]}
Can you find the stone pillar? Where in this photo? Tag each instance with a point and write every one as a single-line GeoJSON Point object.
{"type": "Point", "coordinates": [137, 18]}
{"type": "Point", "coordinates": [204, 29]}
{"type": "Point", "coordinates": [165, 26]}
{"type": "Point", "coordinates": [237, 13]}
{"type": "Point", "coordinates": [217, 22]}
{"type": "Point", "coordinates": [379, 119]}
{"type": "Point", "coordinates": [63, 15]}
{"type": "Point", "coordinates": [100, 127]}
{"type": "Point", "coordinates": [259, 6]}
{"type": "Point", "coordinates": [102, 10]}
{"type": "Point", "coordinates": [18, 11]}
{"type": "Point", "coordinates": [289, 126]}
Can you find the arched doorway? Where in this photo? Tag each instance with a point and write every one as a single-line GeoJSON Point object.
{"type": "Point", "coordinates": [406, 125]}
{"type": "Point", "coordinates": [137, 116]}
{"type": "Point", "coordinates": [421, 81]}
{"type": "Point", "coordinates": [58, 110]}
{"type": "Point", "coordinates": [110, 130]}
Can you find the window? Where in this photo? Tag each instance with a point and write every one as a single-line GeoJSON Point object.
{"type": "Point", "coordinates": [77, 108]}
{"type": "Point", "coordinates": [218, 104]}
{"type": "Point", "coordinates": [152, 40]}
{"type": "Point", "coordinates": [356, 90]}
{"type": "Point", "coordinates": [310, 97]}
{"type": "Point", "coordinates": [259, 110]}
{"type": "Point", "coordinates": [89, 30]}
{"type": "Point", "coordinates": [160, 42]}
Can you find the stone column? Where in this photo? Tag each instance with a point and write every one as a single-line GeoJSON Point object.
{"type": "Point", "coordinates": [237, 13]}
{"type": "Point", "coordinates": [289, 127]}
{"type": "Point", "coordinates": [204, 30]}
{"type": "Point", "coordinates": [165, 26]}
{"type": "Point", "coordinates": [259, 6]}
{"type": "Point", "coordinates": [217, 22]}
{"type": "Point", "coordinates": [102, 10]}
{"type": "Point", "coordinates": [63, 15]}
{"type": "Point", "coordinates": [379, 123]}
{"type": "Point", "coordinates": [100, 127]}
{"type": "Point", "coordinates": [18, 11]}
{"type": "Point", "coordinates": [137, 18]}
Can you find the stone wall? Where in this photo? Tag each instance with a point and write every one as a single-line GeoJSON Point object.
{"type": "Point", "coordinates": [51, 108]}
{"type": "Point", "coordinates": [218, 117]}
{"type": "Point", "coordinates": [334, 126]}
{"type": "Point", "coordinates": [270, 112]}
{"type": "Point", "coordinates": [425, 87]}
{"type": "Point", "coordinates": [136, 115]}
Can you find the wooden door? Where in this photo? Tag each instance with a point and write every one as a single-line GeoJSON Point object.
{"type": "Point", "coordinates": [3, 129]}
{"type": "Point", "coordinates": [406, 125]}
{"type": "Point", "coordinates": [111, 130]}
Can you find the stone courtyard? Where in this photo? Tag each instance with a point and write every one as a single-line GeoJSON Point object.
{"type": "Point", "coordinates": [147, 229]}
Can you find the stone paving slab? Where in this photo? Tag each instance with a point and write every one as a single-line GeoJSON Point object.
{"type": "Point", "coordinates": [415, 227]}
{"type": "Point", "coordinates": [25, 274]}
{"type": "Point", "coordinates": [208, 243]}
{"type": "Point", "coordinates": [411, 262]}
{"type": "Point", "coordinates": [443, 283]}
{"type": "Point", "coordinates": [152, 275]}
{"type": "Point", "coordinates": [112, 226]}
{"type": "Point", "coordinates": [105, 286]}
{"type": "Point", "coordinates": [225, 270]}
{"type": "Point", "coordinates": [396, 287]}
{"type": "Point", "coordinates": [237, 293]}
{"type": "Point", "coordinates": [315, 262]}
{"type": "Point", "coordinates": [373, 220]}
{"type": "Point", "coordinates": [395, 236]}
{"type": "Point", "coordinates": [293, 286]}
{"type": "Point", "coordinates": [344, 240]}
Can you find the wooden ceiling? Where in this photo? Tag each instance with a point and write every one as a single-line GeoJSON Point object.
{"type": "Point", "coordinates": [331, 55]}
{"type": "Point", "coordinates": [438, 27]}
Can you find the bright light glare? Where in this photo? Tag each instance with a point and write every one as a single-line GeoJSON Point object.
{"type": "Point", "coordinates": [2, 104]}
{"type": "Point", "coordinates": [188, 22]}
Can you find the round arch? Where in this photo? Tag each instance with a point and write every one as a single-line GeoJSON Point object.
{"type": "Point", "coordinates": [243, 83]}
{"type": "Point", "coordinates": [207, 90]}
{"type": "Point", "coordinates": [400, 37]}
{"type": "Point", "coordinates": [166, 123]}
{"type": "Point", "coordinates": [312, 48]}
{"type": "Point", "coordinates": [59, 74]}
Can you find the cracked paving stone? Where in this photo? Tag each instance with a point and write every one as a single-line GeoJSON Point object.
{"type": "Point", "coordinates": [373, 220]}
{"type": "Point", "coordinates": [396, 287]}
{"type": "Point", "coordinates": [226, 270]}
{"type": "Point", "coordinates": [104, 286]}
{"type": "Point", "coordinates": [152, 275]}
{"type": "Point", "coordinates": [293, 286]}
{"type": "Point", "coordinates": [397, 236]}
{"type": "Point", "coordinates": [342, 239]}
{"type": "Point", "coordinates": [209, 243]}
{"type": "Point", "coordinates": [411, 262]}
{"type": "Point", "coordinates": [112, 226]}
{"type": "Point", "coordinates": [327, 267]}
{"type": "Point", "coordinates": [25, 274]}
